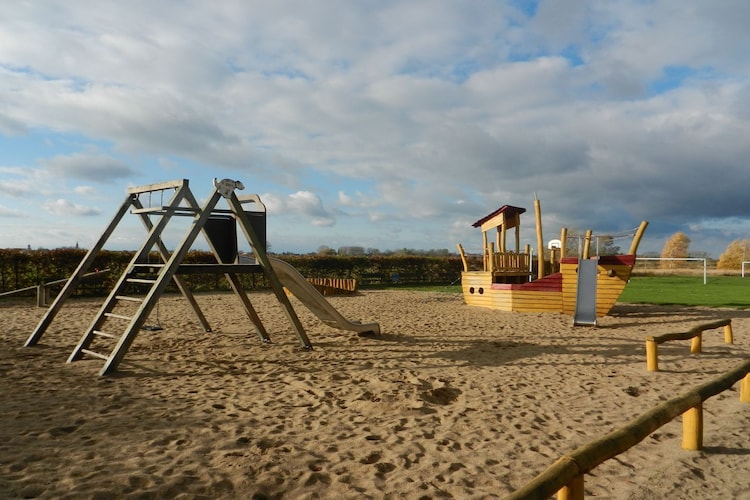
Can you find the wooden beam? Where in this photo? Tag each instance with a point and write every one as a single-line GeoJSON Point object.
{"type": "Point", "coordinates": [565, 471]}
{"type": "Point", "coordinates": [161, 186]}
{"type": "Point", "coordinates": [637, 238]}
{"type": "Point", "coordinates": [463, 257]}
{"type": "Point", "coordinates": [539, 237]}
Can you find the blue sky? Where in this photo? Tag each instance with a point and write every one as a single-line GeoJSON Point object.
{"type": "Point", "coordinates": [388, 125]}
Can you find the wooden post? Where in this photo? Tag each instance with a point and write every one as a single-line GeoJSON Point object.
{"type": "Point", "coordinates": [539, 236]}
{"type": "Point", "coordinates": [563, 241]}
{"type": "Point", "coordinates": [637, 237]}
{"type": "Point", "coordinates": [652, 355]}
{"type": "Point", "coordinates": [42, 295]}
{"type": "Point", "coordinates": [490, 258]}
{"type": "Point", "coordinates": [463, 257]}
{"type": "Point", "coordinates": [485, 250]}
{"type": "Point", "coordinates": [528, 262]}
{"type": "Point", "coordinates": [728, 337]}
{"type": "Point", "coordinates": [692, 428]}
{"type": "Point", "coordinates": [695, 344]}
{"type": "Point", "coordinates": [745, 389]}
{"type": "Point", "coordinates": [573, 490]}
{"type": "Point", "coordinates": [586, 244]}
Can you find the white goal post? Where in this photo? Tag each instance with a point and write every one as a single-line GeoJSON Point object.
{"type": "Point", "coordinates": [743, 266]}
{"type": "Point", "coordinates": [679, 258]}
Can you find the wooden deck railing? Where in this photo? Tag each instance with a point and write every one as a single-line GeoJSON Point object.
{"type": "Point", "coordinates": [511, 262]}
{"type": "Point", "coordinates": [695, 333]}
{"type": "Point", "coordinates": [565, 476]}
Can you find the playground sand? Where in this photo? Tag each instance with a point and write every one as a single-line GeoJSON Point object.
{"type": "Point", "coordinates": [451, 402]}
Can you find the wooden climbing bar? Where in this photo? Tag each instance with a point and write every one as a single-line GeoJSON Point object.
{"type": "Point", "coordinates": [695, 334]}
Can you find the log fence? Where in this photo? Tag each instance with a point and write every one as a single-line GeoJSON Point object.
{"type": "Point", "coordinates": [566, 476]}
{"type": "Point", "coordinates": [695, 334]}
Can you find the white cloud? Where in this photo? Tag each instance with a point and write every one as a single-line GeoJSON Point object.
{"type": "Point", "coordinates": [84, 190]}
{"type": "Point", "coordinates": [64, 208]}
{"type": "Point", "coordinates": [310, 204]}
{"type": "Point", "coordinates": [10, 212]}
{"type": "Point", "coordinates": [611, 111]}
{"type": "Point", "coordinates": [94, 167]}
{"type": "Point", "coordinates": [303, 205]}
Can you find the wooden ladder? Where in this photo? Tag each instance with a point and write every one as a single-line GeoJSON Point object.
{"type": "Point", "coordinates": [103, 328]}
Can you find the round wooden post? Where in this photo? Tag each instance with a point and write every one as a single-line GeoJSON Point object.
{"type": "Point", "coordinates": [490, 264]}
{"type": "Point", "coordinates": [692, 428]}
{"type": "Point", "coordinates": [652, 355]}
{"type": "Point", "coordinates": [573, 490]}
{"type": "Point", "coordinates": [695, 344]}
{"type": "Point", "coordinates": [586, 244]}
{"type": "Point", "coordinates": [728, 337]}
{"type": "Point", "coordinates": [539, 237]}
{"type": "Point", "coordinates": [745, 389]}
{"type": "Point", "coordinates": [637, 237]}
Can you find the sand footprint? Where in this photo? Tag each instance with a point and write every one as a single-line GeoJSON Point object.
{"type": "Point", "coordinates": [441, 395]}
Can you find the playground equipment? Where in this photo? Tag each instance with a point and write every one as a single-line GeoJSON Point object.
{"type": "Point", "coordinates": [584, 287]}
{"type": "Point", "coordinates": [309, 295]}
{"type": "Point", "coordinates": [566, 475]}
{"type": "Point", "coordinates": [125, 305]}
{"type": "Point", "coordinates": [334, 286]}
{"type": "Point", "coordinates": [695, 335]}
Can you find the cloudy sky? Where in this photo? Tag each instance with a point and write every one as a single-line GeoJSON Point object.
{"type": "Point", "coordinates": [387, 124]}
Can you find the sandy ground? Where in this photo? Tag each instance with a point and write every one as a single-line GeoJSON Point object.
{"type": "Point", "coordinates": [451, 401]}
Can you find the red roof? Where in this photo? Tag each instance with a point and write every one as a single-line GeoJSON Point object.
{"type": "Point", "coordinates": [508, 210]}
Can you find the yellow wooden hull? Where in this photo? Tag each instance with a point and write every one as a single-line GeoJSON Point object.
{"type": "Point", "coordinates": [554, 293]}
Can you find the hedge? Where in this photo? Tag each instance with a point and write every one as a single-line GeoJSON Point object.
{"type": "Point", "coordinates": [25, 268]}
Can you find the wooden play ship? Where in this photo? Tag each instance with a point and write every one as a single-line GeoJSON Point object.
{"type": "Point", "coordinates": [510, 280]}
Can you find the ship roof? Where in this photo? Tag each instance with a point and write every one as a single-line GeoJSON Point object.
{"type": "Point", "coordinates": [506, 210]}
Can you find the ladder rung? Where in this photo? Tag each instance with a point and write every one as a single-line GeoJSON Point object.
{"type": "Point", "coordinates": [118, 316]}
{"type": "Point", "coordinates": [140, 280]}
{"type": "Point", "coordinates": [95, 354]}
{"type": "Point", "coordinates": [104, 334]}
{"type": "Point", "coordinates": [148, 265]}
{"type": "Point", "coordinates": [130, 299]}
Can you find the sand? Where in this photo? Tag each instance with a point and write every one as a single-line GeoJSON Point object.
{"type": "Point", "coordinates": [451, 401]}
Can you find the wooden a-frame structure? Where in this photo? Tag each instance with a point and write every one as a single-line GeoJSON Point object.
{"type": "Point", "coordinates": [122, 307]}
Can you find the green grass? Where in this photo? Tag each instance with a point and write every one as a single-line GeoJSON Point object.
{"type": "Point", "coordinates": [719, 291]}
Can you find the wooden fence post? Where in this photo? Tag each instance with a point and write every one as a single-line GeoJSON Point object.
{"type": "Point", "coordinates": [692, 428]}
{"type": "Point", "coordinates": [695, 344]}
{"type": "Point", "coordinates": [652, 355]}
{"type": "Point", "coordinates": [573, 490]}
{"type": "Point", "coordinates": [42, 295]}
{"type": "Point", "coordinates": [745, 389]}
{"type": "Point", "coordinates": [728, 338]}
